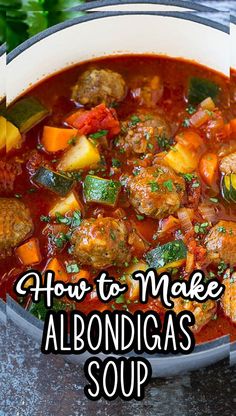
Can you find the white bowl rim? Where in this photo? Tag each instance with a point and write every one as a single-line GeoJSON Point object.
{"type": "Point", "coordinates": [102, 15]}
{"type": "Point", "coordinates": [187, 4]}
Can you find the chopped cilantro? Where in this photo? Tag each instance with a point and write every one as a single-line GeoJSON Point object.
{"type": "Point", "coordinates": [189, 176]}
{"type": "Point", "coordinates": [45, 218]}
{"type": "Point", "coordinates": [112, 235]}
{"type": "Point", "coordinates": [186, 122]}
{"type": "Point", "coordinates": [99, 134]}
{"type": "Point", "coordinates": [163, 142]}
{"type": "Point", "coordinates": [134, 120]}
{"type": "Point", "coordinates": [116, 163]}
{"type": "Point", "coordinates": [221, 229]}
{"type": "Point", "coordinates": [150, 146]}
{"type": "Point", "coordinates": [72, 268]}
{"type": "Point", "coordinates": [190, 109]}
{"type": "Point", "coordinates": [168, 185]}
{"type": "Point", "coordinates": [201, 228]}
{"type": "Point", "coordinates": [154, 186]}
{"type": "Point", "coordinates": [120, 299]}
{"type": "Point", "coordinates": [72, 141]}
{"type": "Point", "coordinates": [140, 217]}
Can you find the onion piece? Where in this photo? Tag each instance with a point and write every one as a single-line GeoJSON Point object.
{"type": "Point", "coordinates": [199, 118]}
{"type": "Point", "coordinates": [185, 221]}
{"type": "Point", "coordinates": [208, 104]}
{"type": "Point", "coordinates": [208, 212]}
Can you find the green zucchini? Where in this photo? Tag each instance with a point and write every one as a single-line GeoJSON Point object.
{"type": "Point", "coordinates": [228, 187]}
{"type": "Point", "coordinates": [169, 255]}
{"type": "Point", "coordinates": [101, 191]}
{"type": "Point", "coordinates": [26, 113]}
{"type": "Point", "coordinates": [233, 187]}
{"type": "Point", "coordinates": [3, 108]}
{"type": "Point", "coordinates": [201, 88]}
{"type": "Point", "coordinates": [55, 182]}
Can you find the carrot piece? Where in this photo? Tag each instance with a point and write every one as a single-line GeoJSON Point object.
{"type": "Point", "coordinates": [55, 139]}
{"type": "Point", "coordinates": [97, 119]}
{"type": "Point", "coordinates": [189, 139]}
{"type": "Point", "coordinates": [29, 252]}
{"type": "Point", "coordinates": [233, 126]}
{"type": "Point", "coordinates": [60, 273]}
{"type": "Point", "coordinates": [208, 167]}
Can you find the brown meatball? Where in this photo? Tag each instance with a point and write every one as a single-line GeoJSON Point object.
{"type": "Point", "coordinates": [143, 133]}
{"type": "Point", "coordinates": [96, 86]}
{"type": "Point", "coordinates": [221, 242]}
{"type": "Point", "coordinates": [101, 242]}
{"type": "Point", "coordinates": [228, 300]}
{"type": "Point", "coordinates": [15, 224]}
{"type": "Point", "coordinates": [203, 312]}
{"type": "Point", "coordinates": [228, 164]}
{"type": "Point", "coordinates": [156, 191]}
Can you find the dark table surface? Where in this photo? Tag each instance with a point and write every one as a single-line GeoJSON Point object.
{"type": "Point", "coordinates": [32, 384]}
{"type": "Point", "coordinates": [39, 385]}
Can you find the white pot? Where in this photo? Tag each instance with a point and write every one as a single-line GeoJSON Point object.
{"type": "Point", "coordinates": [103, 34]}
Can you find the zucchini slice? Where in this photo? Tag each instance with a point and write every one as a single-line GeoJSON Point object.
{"type": "Point", "coordinates": [200, 88]}
{"type": "Point", "coordinates": [101, 191]}
{"type": "Point", "coordinates": [169, 255]}
{"type": "Point", "coordinates": [26, 113]}
{"type": "Point", "coordinates": [13, 137]}
{"type": "Point", "coordinates": [55, 182]}
{"type": "Point", "coordinates": [226, 188]}
{"type": "Point", "coordinates": [3, 129]}
{"type": "Point", "coordinates": [233, 187]}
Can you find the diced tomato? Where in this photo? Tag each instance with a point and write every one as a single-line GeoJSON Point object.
{"type": "Point", "coordinates": [97, 119]}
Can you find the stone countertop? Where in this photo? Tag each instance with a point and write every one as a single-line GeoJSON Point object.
{"type": "Point", "coordinates": [37, 385]}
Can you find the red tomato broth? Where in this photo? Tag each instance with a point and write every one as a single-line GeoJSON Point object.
{"type": "Point", "coordinates": [55, 93]}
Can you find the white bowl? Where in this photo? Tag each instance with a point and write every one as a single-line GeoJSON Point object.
{"type": "Point", "coordinates": [102, 34]}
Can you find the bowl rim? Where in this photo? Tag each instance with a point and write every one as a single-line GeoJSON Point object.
{"type": "Point", "coordinates": [90, 4]}
{"type": "Point", "coordinates": [103, 15]}
{"type": "Point", "coordinates": [12, 305]}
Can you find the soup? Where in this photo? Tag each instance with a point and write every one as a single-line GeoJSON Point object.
{"type": "Point", "coordinates": [121, 164]}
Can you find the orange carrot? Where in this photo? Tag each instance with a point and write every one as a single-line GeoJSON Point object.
{"type": "Point", "coordinates": [189, 139]}
{"type": "Point", "coordinates": [29, 252]}
{"type": "Point", "coordinates": [233, 126]}
{"type": "Point", "coordinates": [55, 139]}
{"type": "Point", "coordinates": [60, 273]}
{"type": "Point", "coordinates": [208, 167]}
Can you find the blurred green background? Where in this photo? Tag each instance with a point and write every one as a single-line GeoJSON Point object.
{"type": "Point", "coordinates": [21, 19]}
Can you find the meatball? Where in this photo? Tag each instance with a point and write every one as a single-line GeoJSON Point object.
{"type": "Point", "coordinates": [96, 86]}
{"type": "Point", "coordinates": [144, 133]}
{"type": "Point", "coordinates": [203, 312]}
{"type": "Point", "coordinates": [101, 242]}
{"type": "Point", "coordinates": [221, 242]}
{"type": "Point", "coordinates": [228, 300]}
{"type": "Point", "coordinates": [228, 164]}
{"type": "Point", "coordinates": [156, 191]}
{"type": "Point", "coordinates": [15, 224]}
